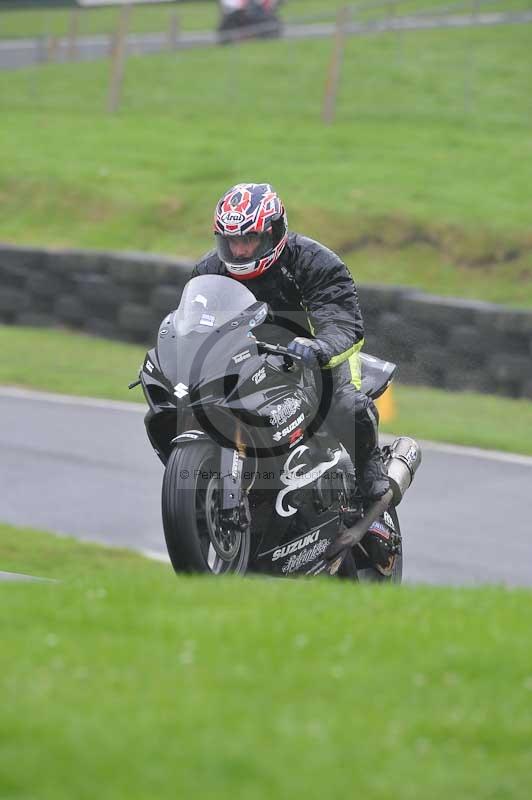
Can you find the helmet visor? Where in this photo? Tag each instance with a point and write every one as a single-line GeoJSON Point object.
{"type": "Point", "coordinates": [241, 250]}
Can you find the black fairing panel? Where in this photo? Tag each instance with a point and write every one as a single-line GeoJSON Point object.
{"type": "Point", "coordinates": [166, 348]}
{"type": "Point", "coordinates": [161, 427]}
{"type": "Point", "coordinates": [158, 390]}
{"type": "Point", "coordinates": [208, 361]}
{"type": "Point", "coordinates": [272, 530]}
{"type": "Point", "coordinates": [201, 353]}
{"type": "Point", "coordinates": [376, 375]}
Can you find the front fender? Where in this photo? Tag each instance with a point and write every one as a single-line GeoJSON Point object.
{"type": "Point", "coordinates": [187, 437]}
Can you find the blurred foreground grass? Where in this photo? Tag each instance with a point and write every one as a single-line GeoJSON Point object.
{"type": "Point", "coordinates": [72, 363]}
{"type": "Point", "coordinates": [124, 681]}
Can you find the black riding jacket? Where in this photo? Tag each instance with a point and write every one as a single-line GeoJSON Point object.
{"type": "Point", "coordinates": [310, 292]}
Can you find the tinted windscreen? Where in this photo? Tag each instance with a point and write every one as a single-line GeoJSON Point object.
{"type": "Point", "coordinates": [210, 301]}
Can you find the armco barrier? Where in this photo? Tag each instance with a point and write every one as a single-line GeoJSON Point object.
{"type": "Point", "coordinates": [437, 341]}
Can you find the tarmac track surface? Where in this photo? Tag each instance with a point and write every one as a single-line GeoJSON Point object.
{"type": "Point", "coordinates": [85, 467]}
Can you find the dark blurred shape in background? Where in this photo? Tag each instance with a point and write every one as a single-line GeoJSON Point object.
{"type": "Point", "coordinates": [243, 19]}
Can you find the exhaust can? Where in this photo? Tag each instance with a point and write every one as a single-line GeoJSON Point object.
{"type": "Point", "coordinates": [402, 465]}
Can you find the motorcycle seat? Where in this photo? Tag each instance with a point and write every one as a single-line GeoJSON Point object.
{"type": "Point", "coordinates": [376, 375]}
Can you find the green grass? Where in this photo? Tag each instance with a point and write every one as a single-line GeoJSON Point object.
{"type": "Point", "coordinates": [422, 265]}
{"type": "Point", "coordinates": [122, 681]}
{"type": "Point", "coordinates": [69, 363]}
{"type": "Point", "coordinates": [192, 16]}
{"type": "Point", "coordinates": [66, 362]}
{"type": "Point", "coordinates": [61, 558]}
{"type": "Point", "coordinates": [57, 21]}
{"type": "Point", "coordinates": [464, 418]}
{"type": "Point", "coordinates": [432, 143]}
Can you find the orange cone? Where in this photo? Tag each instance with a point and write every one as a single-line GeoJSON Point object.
{"type": "Point", "coordinates": [386, 406]}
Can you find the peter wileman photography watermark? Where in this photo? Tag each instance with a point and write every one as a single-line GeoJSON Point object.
{"type": "Point", "coordinates": [252, 475]}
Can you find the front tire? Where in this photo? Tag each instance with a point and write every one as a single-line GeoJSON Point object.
{"type": "Point", "coordinates": [190, 493]}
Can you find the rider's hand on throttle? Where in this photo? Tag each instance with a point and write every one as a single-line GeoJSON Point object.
{"type": "Point", "coordinates": [309, 349]}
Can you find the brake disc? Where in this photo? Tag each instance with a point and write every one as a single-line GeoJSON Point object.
{"type": "Point", "coordinates": [226, 541]}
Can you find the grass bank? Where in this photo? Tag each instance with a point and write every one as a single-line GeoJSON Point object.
{"type": "Point", "coordinates": [49, 21]}
{"type": "Point", "coordinates": [70, 363]}
{"type": "Point", "coordinates": [423, 179]}
{"type": "Point", "coordinates": [123, 681]}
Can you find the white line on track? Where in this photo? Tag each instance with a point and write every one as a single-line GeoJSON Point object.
{"type": "Point", "coordinates": [155, 555]}
{"type": "Point", "coordinates": [18, 576]}
{"type": "Point", "coordinates": [478, 452]}
{"type": "Point", "coordinates": [463, 450]}
{"type": "Point", "coordinates": [138, 408]}
{"type": "Point", "coordinates": [69, 400]}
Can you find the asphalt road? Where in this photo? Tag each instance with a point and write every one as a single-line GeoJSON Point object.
{"type": "Point", "coordinates": [86, 468]}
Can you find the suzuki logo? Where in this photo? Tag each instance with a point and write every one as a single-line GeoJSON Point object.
{"type": "Point", "coordinates": [180, 390]}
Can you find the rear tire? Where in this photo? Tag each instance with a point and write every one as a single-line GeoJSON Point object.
{"type": "Point", "coordinates": [372, 575]}
{"type": "Point", "coordinates": [190, 512]}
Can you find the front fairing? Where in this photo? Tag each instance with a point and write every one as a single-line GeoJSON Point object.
{"type": "Point", "coordinates": [207, 364]}
{"type": "Point", "coordinates": [210, 363]}
{"type": "Point", "coordinates": [231, 385]}
{"type": "Point", "coordinates": [216, 370]}
{"type": "Point", "coordinates": [210, 306]}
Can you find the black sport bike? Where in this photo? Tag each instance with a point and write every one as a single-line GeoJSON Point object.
{"type": "Point", "coordinates": [254, 481]}
{"type": "Point", "coordinates": [255, 19]}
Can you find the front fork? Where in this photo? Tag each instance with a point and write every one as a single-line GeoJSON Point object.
{"type": "Point", "coordinates": [234, 507]}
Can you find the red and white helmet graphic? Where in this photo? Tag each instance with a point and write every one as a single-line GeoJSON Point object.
{"type": "Point", "coordinates": [250, 229]}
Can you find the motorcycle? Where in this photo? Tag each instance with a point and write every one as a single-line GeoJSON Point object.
{"type": "Point", "coordinates": [254, 481]}
{"type": "Point", "coordinates": [247, 19]}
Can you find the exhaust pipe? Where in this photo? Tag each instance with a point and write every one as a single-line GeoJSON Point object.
{"type": "Point", "coordinates": [401, 466]}
{"type": "Point", "coordinates": [350, 537]}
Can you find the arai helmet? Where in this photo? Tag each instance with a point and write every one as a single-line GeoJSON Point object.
{"type": "Point", "coordinates": [250, 229]}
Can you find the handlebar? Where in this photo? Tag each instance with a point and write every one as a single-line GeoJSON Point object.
{"type": "Point", "coordinates": [279, 350]}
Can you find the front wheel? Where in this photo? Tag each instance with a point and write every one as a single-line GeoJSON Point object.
{"type": "Point", "coordinates": [190, 500]}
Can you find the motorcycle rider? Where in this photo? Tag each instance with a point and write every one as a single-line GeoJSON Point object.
{"type": "Point", "coordinates": [306, 286]}
{"type": "Point", "coordinates": [259, 15]}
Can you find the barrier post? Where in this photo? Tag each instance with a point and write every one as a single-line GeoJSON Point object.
{"type": "Point", "coordinates": [173, 31]}
{"type": "Point", "coordinates": [333, 76]}
{"type": "Point", "coordinates": [119, 60]}
{"type": "Point", "coordinates": [52, 48]}
{"type": "Point", "coordinates": [73, 30]}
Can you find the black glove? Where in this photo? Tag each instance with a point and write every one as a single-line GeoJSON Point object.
{"type": "Point", "coordinates": [310, 350]}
